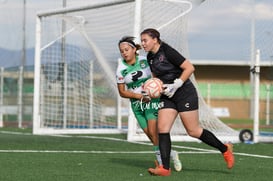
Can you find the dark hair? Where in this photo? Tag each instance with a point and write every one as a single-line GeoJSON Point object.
{"type": "Point", "coordinates": [130, 41]}
{"type": "Point", "coordinates": [152, 33]}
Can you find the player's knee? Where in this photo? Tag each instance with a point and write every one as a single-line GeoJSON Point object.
{"type": "Point", "coordinates": [194, 133]}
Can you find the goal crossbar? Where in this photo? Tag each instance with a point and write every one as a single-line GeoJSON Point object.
{"type": "Point", "coordinates": [80, 8]}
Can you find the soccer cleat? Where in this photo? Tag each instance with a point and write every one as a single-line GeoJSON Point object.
{"type": "Point", "coordinates": [176, 162]}
{"type": "Point", "coordinates": [228, 156]}
{"type": "Point", "coordinates": [159, 171]}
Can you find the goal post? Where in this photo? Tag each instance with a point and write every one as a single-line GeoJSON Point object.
{"type": "Point", "coordinates": [74, 85]}
{"type": "Point", "coordinates": [76, 57]}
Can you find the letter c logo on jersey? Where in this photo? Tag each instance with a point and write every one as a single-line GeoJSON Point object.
{"type": "Point", "coordinates": [187, 105]}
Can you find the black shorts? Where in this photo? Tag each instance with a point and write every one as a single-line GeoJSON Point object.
{"type": "Point", "coordinates": [184, 99]}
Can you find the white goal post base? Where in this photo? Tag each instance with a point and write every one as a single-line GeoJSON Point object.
{"type": "Point", "coordinates": [265, 139]}
{"type": "Point", "coordinates": [55, 131]}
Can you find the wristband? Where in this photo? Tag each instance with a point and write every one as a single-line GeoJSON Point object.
{"type": "Point", "coordinates": [178, 82]}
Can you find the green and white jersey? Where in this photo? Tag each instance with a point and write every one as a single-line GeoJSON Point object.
{"type": "Point", "coordinates": [133, 75]}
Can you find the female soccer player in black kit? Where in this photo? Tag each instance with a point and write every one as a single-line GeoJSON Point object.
{"type": "Point", "coordinates": [179, 98]}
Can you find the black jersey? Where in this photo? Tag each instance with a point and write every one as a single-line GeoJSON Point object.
{"type": "Point", "coordinates": [165, 64]}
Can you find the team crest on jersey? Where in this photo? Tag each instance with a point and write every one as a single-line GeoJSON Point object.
{"type": "Point", "coordinates": [161, 58]}
{"type": "Point", "coordinates": [143, 64]}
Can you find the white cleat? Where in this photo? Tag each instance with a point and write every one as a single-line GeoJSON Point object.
{"type": "Point", "coordinates": [176, 162]}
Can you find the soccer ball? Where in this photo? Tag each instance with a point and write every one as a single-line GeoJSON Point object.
{"type": "Point", "coordinates": [153, 87]}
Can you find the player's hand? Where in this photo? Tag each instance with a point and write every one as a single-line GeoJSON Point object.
{"type": "Point", "coordinates": [145, 97]}
{"type": "Point", "coordinates": [170, 89]}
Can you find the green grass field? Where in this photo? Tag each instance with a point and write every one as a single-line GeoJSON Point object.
{"type": "Point", "coordinates": [25, 157]}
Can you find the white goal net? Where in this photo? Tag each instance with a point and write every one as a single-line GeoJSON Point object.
{"type": "Point", "coordinates": [76, 57]}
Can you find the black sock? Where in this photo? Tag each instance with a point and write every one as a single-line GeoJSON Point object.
{"type": "Point", "coordinates": [165, 149]}
{"type": "Point", "coordinates": [210, 139]}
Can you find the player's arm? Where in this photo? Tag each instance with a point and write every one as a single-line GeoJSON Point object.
{"type": "Point", "coordinates": [123, 92]}
{"type": "Point", "coordinates": [188, 69]}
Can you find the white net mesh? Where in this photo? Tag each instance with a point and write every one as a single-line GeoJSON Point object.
{"type": "Point", "coordinates": [79, 53]}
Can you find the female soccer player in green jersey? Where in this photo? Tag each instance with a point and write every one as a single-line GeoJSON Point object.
{"type": "Point", "coordinates": [131, 74]}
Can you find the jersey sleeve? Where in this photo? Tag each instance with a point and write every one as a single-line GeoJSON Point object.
{"type": "Point", "coordinates": [119, 76]}
{"type": "Point", "coordinates": [174, 56]}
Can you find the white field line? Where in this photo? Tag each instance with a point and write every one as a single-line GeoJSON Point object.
{"type": "Point", "coordinates": [196, 150]}
{"type": "Point", "coordinates": [89, 152]}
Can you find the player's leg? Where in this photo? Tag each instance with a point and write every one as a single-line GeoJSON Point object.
{"type": "Point", "coordinates": [190, 118]}
{"type": "Point", "coordinates": [191, 124]}
{"type": "Point", "coordinates": [152, 132]}
{"type": "Point", "coordinates": [151, 113]}
{"type": "Point", "coordinates": [166, 118]}
{"type": "Point", "coordinates": [149, 128]}
{"type": "Point", "coordinates": [158, 162]}
{"type": "Point", "coordinates": [153, 139]}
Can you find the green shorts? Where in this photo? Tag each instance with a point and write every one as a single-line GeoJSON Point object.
{"type": "Point", "coordinates": [145, 111]}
